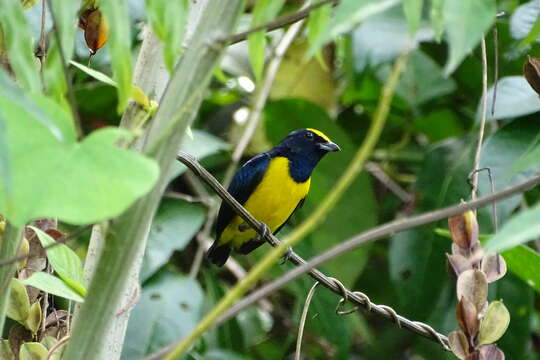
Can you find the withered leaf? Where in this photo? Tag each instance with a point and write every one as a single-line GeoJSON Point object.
{"type": "Point", "coordinates": [96, 29]}
{"type": "Point", "coordinates": [459, 263]}
{"type": "Point", "coordinates": [531, 71]}
{"type": "Point", "coordinates": [472, 285]}
{"type": "Point", "coordinates": [494, 323]}
{"type": "Point", "coordinates": [458, 344]}
{"type": "Point", "coordinates": [18, 335]}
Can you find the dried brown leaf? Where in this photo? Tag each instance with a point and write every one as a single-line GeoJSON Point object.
{"type": "Point", "coordinates": [96, 29]}
{"type": "Point", "coordinates": [459, 263]}
{"type": "Point", "coordinates": [18, 335]}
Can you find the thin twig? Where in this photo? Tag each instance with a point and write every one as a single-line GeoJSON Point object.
{"type": "Point", "coordinates": [280, 22]}
{"type": "Point", "coordinates": [483, 115]}
{"type": "Point", "coordinates": [56, 346]}
{"type": "Point", "coordinates": [70, 92]}
{"type": "Point", "coordinates": [303, 320]}
{"type": "Point", "coordinates": [387, 181]}
{"type": "Point", "coordinates": [74, 234]}
{"type": "Point", "coordinates": [260, 97]}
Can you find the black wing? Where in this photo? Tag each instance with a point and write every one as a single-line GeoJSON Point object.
{"type": "Point", "coordinates": [242, 186]}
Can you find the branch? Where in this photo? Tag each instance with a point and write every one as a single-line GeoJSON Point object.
{"type": "Point", "coordinates": [280, 22]}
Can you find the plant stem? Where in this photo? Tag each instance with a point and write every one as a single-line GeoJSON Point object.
{"type": "Point", "coordinates": [273, 256]}
{"type": "Point", "coordinates": [127, 233]}
{"type": "Point", "coordinates": [9, 247]}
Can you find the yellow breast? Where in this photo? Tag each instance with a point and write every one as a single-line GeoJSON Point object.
{"type": "Point", "coordinates": [272, 202]}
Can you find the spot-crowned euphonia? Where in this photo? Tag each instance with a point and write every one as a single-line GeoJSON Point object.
{"type": "Point", "coordinates": [271, 186]}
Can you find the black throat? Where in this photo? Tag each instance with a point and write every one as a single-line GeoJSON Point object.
{"type": "Point", "coordinates": [300, 165]}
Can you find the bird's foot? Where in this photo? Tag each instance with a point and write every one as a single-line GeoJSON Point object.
{"type": "Point", "coordinates": [286, 257]}
{"type": "Point", "coordinates": [265, 230]}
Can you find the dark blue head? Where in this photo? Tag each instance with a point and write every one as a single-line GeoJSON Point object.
{"type": "Point", "coordinates": [304, 148]}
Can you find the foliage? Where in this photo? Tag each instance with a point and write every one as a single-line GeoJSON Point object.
{"type": "Point", "coordinates": [331, 79]}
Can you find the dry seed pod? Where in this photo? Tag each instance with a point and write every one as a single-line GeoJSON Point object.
{"type": "Point", "coordinates": [459, 263]}
{"type": "Point", "coordinates": [494, 323]}
{"type": "Point", "coordinates": [458, 344]}
{"type": "Point", "coordinates": [531, 71]}
{"type": "Point", "coordinates": [464, 230]}
{"type": "Point", "coordinates": [96, 29]}
{"type": "Point", "coordinates": [494, 267]}
{"type": "Point", "coordinates": [472, 285]}
{"type": "Point", "coordinates": [491, 352]}
{"type": "Point", "coordinates": [467, 317]}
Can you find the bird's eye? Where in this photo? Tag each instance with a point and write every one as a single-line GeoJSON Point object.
{"type": "Point", "coordinates": [309, 135]}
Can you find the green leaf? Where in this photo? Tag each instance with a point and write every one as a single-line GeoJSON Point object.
{"type": "Point", "coordinates": [32, 351]}
{"type": "Point", "coordinates": [523, 19]}
{"type": "Point", "coordinates": [437, 18]}
{"type": "Point", "coordinates": [5, 351]}
{"type": "Point", "coordinates": [421, 81]}
{"type": "Point", "coordinates": [95, 74]}
{"type": "Point", "coordinates": [413, 13]}
{"type": "Point", "coordinates": [202, 144]}
{"type": "Point", "coordinates": [168, 309]}
{"type": "Point", "coordinates": [65, 13]}
{"type": "Point", "coordinates": [80, 182]}
{"type": "Point", "coordinates": [530, 160]}
{"type": "Point", "coordinates": [64, 261]}
{"type": "Point", "coordinates": [524, 262]}
{"type": "Point", "coordinates": [168, 21]}
{"type": "Point", "coordinates": [52, 285]}
{"type": "Point", "coordinates": [264, 11]}
{"type": "Point", "coordinates": [19, 303]}
{"type": "Point", "coordinates": [466, 21]}
{"type": "Point", "coordinates": [116, 12]}
{"type": "Point", "coordinates": [532, 35]}
{"type": "Point", "coordinates": [18, 37]}
{"type": "Point", "coordinates": [164, 237]}
{"type": "Point", "coordinates": [519, 229]}
{"type": "Point", "coordinates": [317, 23]}
{"type": "Point", "coordinates": [515, 97]}
{"type": "Point", "coordinates": [34, 318]}
{"type": "Point", "coordinates": [348, 14]}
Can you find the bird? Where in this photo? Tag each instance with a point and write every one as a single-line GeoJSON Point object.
{"type": "Point", "coordinates": [271, 186]}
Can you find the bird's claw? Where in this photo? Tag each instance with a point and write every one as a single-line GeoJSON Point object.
{"type": "Point", "coordinates": [265, 230]}
{"type": "Point", "coordinates": [286, 256]}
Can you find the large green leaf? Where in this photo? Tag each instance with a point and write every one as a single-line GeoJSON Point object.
{"type": "Point", "coordinates": [500, 152]}
{"type": "Point", "coordinates": [421, 81]}
{"type": "Point", "coordinates": [64, 261]}
{"type": "Point", "coordinates": [116, 13]}
{"type": "Point", "coordinates": [523, 19]}
{"type": "Point", "coordinates": [348, 14]}
{"type": "Point", "coordinates": [168, 20]}
{"type": "Point", "coordinates": [354, 212]}
{"type": "Point", "coordinates": [18, 37]}
{"type": "Point", "coordinates": [52, 285]}
{"type": "Point", "coordinates": [519, 229]}
{"type": "Point", "coordinates": [413, 13]}
{"type": "Point", "coordinates": [79, 182]}
{"type": "Point", "coordinates": [515, 97]}
{"type": "Point", "coordinates": [264, 11]}
{"type": "Point", "coordinates": [524, 262]}
{"type": "Point", "coordinates": [174, 225]}
{"type": "Point", "coordinates": [466, 21]}
{"type": "Point", "coordinates": [167, 310]}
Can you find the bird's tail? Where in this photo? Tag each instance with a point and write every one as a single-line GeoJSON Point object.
{"type": "Point", "coordinates": [218, 253]}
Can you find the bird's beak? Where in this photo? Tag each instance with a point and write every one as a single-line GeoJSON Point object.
{"type": "Point", "coordinates": [329, 146]}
